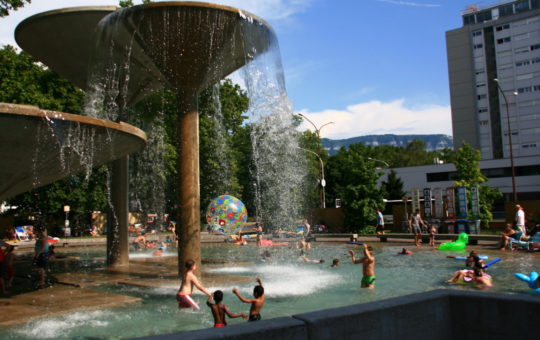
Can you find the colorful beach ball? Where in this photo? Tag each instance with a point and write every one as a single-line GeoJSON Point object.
{"type": "Point", "coordinates": [226, 213]}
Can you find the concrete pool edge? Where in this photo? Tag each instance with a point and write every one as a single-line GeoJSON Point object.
{"type": "Point", "coordinates": [437, 314]}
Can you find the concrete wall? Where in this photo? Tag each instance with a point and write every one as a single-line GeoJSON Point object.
{"type": "Point", "coordinates": [435, 315]}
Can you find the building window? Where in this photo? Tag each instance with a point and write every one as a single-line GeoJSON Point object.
{"type": "Point", "coordinates": [524, 89]}
{"type": "Point", "coordinates": [522, 6]}
{"type": "Point", "coordinates": [484, 122]}
{"type": "Point", "coordinates": [482, 110]}
{"type": "Point", "coordinates": [535, 61]}
{"type": "Point", "coordinates": [480, 85]}
{"type": "Point", "coordinates": [522, 50]}
{"type": "Point", "coordinates": [503, 40]}
{"type": "Point", "coordinates": [506, 10]}
{"type": "Point", "coordinates": [523, 63]}
{"type": "Point", "coordinates": [535, 47]}
{"type": "Point", "coordinates": [477, 46]}
{"type": "Point", "coordinates": [531, 145]}
{"type": "Point", "coordinates": [502, 27]}
{"type": "Point", "coordinates": [469, 19]}
{"type": "Point", "coordinates": [481, 96]}
{"type": "Point", "coordinates": [476, 33]}
{"type": "Point", "coordinates": [483, 16]}
{"type": "Point", "coordinates": [536, 88]}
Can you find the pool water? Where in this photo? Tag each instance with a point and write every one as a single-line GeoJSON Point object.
{"type": "Point", "coordinates": [291, 287]}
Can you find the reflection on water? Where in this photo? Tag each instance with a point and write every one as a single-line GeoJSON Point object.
{"type": "Point", "coordinates": [292, 286]}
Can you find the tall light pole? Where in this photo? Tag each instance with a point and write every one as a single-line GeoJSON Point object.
{"type": "Point", "coordinates": [514, 193]}
{"type": "Point", "coordinates": [378, 160]}
{"type": "Point", "coordinates": [318, 154]}
{"type": "Point", "coordinates": [322, 181]}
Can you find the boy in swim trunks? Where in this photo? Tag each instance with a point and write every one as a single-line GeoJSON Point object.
{"type": "Point", "coordinates": [368, 267]}
{"type": "Point", "coordinates": [256, 303]}
{"type": "Point", "coordinates": [219, 310]}
{"type": "Point", "coordinates": [186, 288]}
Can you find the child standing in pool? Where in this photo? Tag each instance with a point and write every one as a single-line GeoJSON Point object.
{"type": "Point", "coordinates": [368, 267]}
{"type": "Point", "coordinates": [432, 232]}
{"type": "Point", "coordinates": [256, 303]}
{"type": "Point", "coordinates": [189, 279]}
{"type": "Point", "coordinates": [219, 310]}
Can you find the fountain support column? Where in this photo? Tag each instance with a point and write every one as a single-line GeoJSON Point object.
{"type": "Point", "coordinates": [189, 219]}
{"type": "Point", "coordinates": [117, 221]}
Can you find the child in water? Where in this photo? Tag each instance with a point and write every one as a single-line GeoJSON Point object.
{"type": "Point", "coordinates": [189, 279]}
{"type": "Point", "coordinates": [432, 232]}
{"type": "Point", "coordinates": [256, 303]}
{"type": "Point", "coordinates": [219, 310]}
{"type": "Point", "coordinates": [368, 267]}
{"type": "Point", "coordinates": [335, 263]}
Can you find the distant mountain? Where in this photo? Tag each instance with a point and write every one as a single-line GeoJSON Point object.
{"type": "Point", "coordinates": [433, 142]}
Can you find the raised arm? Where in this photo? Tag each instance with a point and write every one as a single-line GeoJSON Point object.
{"type": "Point", "coordinates": [367, 253]}
{"type": "Point", "coordinates": [235, 291]}
{"type": "Point", "coordinates": [353, 258]}
{"type": "Point", "coordinates": [259, 281]}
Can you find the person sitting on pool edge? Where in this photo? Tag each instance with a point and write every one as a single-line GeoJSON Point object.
{"type": "Point", "coordinates": [186, 288]}
{"type": "Point", "coordinates": [219, 310]}
{"type": "Point", "coordinates": [368, 267]}
{"type": "Point", "coordinates": [256, 303]}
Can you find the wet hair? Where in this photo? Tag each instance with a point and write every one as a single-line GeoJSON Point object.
{"type": "Point", "coordinates": [189, 264]}
{"type": "Point", "coordinates": [321, 261]}
{"type": "Point", "coordinates": [258, 291]}
{"type": "Point", "coordinates": [335, 261]}
{"type": "Point", "coordinates": [218, 296]}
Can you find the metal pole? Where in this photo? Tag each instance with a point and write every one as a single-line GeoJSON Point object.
{"type": "Point", "coordinates": [322, 180]}
{"type": "Point", "coordinates": [514, 193]}
{"type": "Point", "coordinates": [318, 154]}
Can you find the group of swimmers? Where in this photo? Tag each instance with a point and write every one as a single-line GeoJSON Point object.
{"type": "Point", "coordinates": [219, 310]}
{"type": "Point", "coordinates": [475, 274]}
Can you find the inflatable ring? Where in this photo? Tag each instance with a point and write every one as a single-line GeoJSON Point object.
{"type": "Point", "coordinates": [531, 280]}
{"type": "Point", "coordinates": [460, 244]}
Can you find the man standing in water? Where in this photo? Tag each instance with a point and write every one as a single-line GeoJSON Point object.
{"type": "Point", "coordinates": [368, 267]}
{"type": "Point", "coordinates": [186, 288]}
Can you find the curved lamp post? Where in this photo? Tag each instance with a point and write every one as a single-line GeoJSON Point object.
{"type": "Point", "coordinates": [318, 154]}
{"type": "Point", "coordinates": [514, 193]}
{"type": "Point", "coordinates": [378, 160]}
{"type": "Point", "coordinates": [322, 181]}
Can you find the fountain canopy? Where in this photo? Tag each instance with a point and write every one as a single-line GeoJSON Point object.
{"type": "Point", "coordinates": [184, 45]}
{"type": "Point", "coordinates": [38, 147]}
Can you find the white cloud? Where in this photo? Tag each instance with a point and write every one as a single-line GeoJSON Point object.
{"type": "Point", "coordinates": [375, 117]}
{"type": "Point", "coordinates": [409, 3]}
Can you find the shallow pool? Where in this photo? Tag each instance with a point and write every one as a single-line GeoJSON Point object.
{"type": "Point", "coordinates": [291, 286]}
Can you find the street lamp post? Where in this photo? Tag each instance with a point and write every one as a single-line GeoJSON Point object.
{"type": "Point", "coordinates": [322, 181]}
{"type": "Point", "coordinates": [514, 193]}
{"type": "Point", "coordinates": [378, 160]}
{"type": "Point", "coordinates": [318, 154]}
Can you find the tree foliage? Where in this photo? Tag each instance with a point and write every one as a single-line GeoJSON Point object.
{"type": "Point", "coordinates": [11, 5]}
{"type": "Point", "coordinates": [467, 162]}
{"type": "Point", "coordinates": [353, 179]}
{"type": "Point", "coordinates": [392, 188]}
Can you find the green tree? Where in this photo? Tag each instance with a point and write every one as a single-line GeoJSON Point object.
{"type": "Point", "coordinates": [353, 179]}
{"type": "Point", "coordinates": [393, 186]}
{"type": "Point", "coordinates": [468, 174]}
{"type": "Point", "coordinates": [11, 5]}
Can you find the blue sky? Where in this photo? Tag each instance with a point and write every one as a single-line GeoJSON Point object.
{"type": "Point", "coordinates": [369, 66]}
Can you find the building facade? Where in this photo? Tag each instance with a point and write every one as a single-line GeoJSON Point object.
{"type": "Point", "coordinates": [500, 41]}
